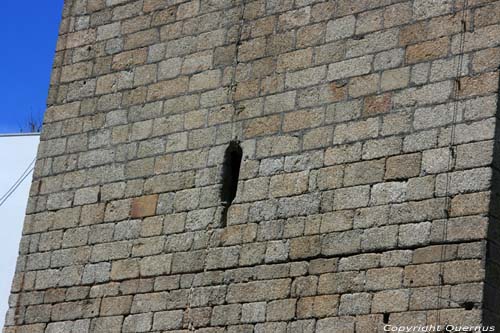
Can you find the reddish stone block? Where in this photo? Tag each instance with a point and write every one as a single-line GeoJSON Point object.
{"type": "Point", "coordinates": [144, 206]}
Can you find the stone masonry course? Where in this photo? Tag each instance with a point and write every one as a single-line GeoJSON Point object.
{"type": "Point", "coordinates": [367, 193]}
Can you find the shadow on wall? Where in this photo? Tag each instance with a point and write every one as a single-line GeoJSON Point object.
{"type": "Point", "coordinates": [491, 290]}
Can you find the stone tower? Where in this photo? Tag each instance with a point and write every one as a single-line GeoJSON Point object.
{"type": "Point", "coordinates": [290, 166]}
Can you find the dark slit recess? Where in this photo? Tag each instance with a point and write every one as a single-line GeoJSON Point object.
{"type": "Point", "coordinates": [231, 172]}
{"type": "Point", "coordinates": [230, 175]}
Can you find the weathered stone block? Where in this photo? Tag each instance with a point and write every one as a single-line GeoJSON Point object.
{"type": "Point", "coordinates": [137, 323]}
{"type": "Point", "coordinates": [253, 312]}
{"type": "Point", "coordinates": [168, 320]}
{"type": "Point", "coordinates": [341, 243]}
{"type": "Point", "coordinates": [318, 306]}
{"type": "Point", "coordinates": [226, 315]}
{"type": "Point", "coordinates": [112, 306]}
{"type": "Point", "coordinates": [384, 278]}
{"type": "Point", "coordinates": [355, 304]}
{"type": "Point", "coordinates": [351, 209]}
{"type": "Point", "coordinates": [258, 291]}
{"type": "Point", "coordinates": [392, 300]}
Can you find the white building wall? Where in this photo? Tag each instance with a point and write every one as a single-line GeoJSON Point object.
{"type": "Point", "coordinates": [16, 154]}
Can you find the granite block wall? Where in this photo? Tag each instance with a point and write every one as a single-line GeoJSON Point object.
{"type": "Point", "coordinates": [368, 183]}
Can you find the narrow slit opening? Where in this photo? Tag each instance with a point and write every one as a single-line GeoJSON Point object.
{"type": "Point", "coordinates": [230, 176]}
{"type": "Point", "coordinates": [468, 306]}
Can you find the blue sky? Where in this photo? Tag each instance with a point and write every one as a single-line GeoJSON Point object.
{"type": "Point", "coordinates": [29, 33]}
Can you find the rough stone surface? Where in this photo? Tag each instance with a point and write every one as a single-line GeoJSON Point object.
{"type": "Point", "coordinates": [367, 192]}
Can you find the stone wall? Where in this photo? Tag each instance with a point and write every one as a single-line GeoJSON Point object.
{"type": "Point", "coordinates": [366, 193]}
